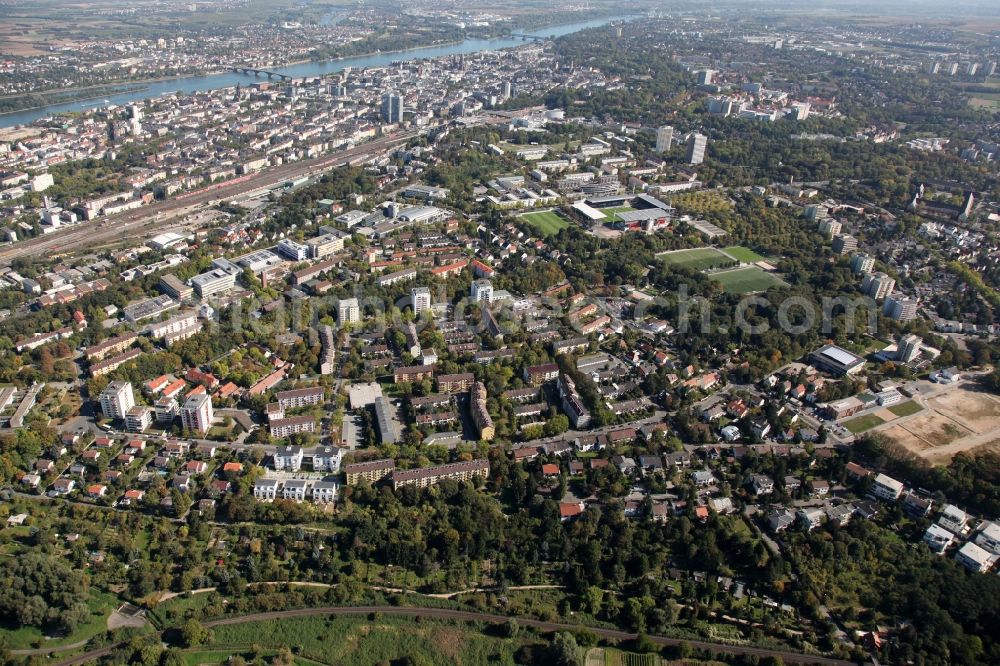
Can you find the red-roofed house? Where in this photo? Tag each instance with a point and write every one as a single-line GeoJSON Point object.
{"type": "Point", "coordinates": [174, 388]}
{"type": "Point", "coordinates": [482, 270]}
{"type": "Point", "coordinates": [449, 269]}
{"type": "Point", "coordinates": [158, 384]}
{"type": "Point", "coordinates": [206, 379]}
{"type": "Point", "coordinates": [96, 490]}
{"type": "Point", "coordinates": [569, 510]}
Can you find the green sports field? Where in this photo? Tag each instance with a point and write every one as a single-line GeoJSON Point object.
{"type": "Point", "coordinates": [746, 280]}
{"type": "Point", "coordinates": [744, 254]}
{"type": "Point", "coordinates": [612, 213]}
{"type": "Point", "coordinates": [860, 424]}
{"type": "Point", "coordinates": [908, 408]}
{"type": "Point", "coordinates": [698, 259]}
{"type": "Point", "coordinates": [547, 222]}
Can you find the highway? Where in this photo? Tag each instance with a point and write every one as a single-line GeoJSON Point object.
{"type": "Point", "coordinates": [153, 219]}
{"type": "Point", "coordinates": [468, 616]}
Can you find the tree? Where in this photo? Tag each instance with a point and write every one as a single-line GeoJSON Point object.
{"type": "Point", "coordinates": [192, 633]}
{"type": "Point", "coordinates": [644, 644]}
{"type": "Point", "coordinates": [284, 657]}
{"type": "Point", "coordinates": [564, 650]}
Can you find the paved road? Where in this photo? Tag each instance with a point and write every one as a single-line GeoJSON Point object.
{"type": "Point", "coordinates": [467, 616]}
{"type": "Point", "coordinates": [151, 219]}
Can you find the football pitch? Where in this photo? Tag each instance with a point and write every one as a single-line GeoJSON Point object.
{"type": "Point", "coordinates": [746, 280]}
{"type": "Point", "coordinates": [612, 213]}
{"type": "Point", "coordinates": [743, 254]}
{"type": "Point", "coordinates": [547, 222]}
{"type": "Point", "coordinates": [697, 259]}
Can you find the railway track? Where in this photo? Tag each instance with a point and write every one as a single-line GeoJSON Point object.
{"type": "Point", "coordinates": [468, 616]}
{"type": "Point", "coordinates": [134, 223]}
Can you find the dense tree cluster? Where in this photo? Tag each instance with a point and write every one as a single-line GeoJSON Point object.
{"type": "Point", "coordinates": [42, 591]}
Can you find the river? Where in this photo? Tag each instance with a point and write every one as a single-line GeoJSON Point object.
{"type": "Point", "coordinates": [191, 84]}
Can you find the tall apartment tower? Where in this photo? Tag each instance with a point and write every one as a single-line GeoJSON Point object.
{"type": "Point", "coordinates": [862, 264]}
{"type": "Point", "coordinates": [482, 291]}
{"type": "Point", "coordinates": [878, 285]}
{"type": "Point", "coordinates": [664, 138]}
{"type": "Point", "coordinates": [421, 299]}
{"type": "Point", "coordinates": [844, 244]}
{"type": "Point", "coordinates": [909, 348]}
{"type": "Point", "coordinates": [696, 148]}
{"type": "Point", "coordinates": [900, 308]}
{"type": "Point", "coordinates": [117, 399]}
{"type": "Point", "coordinates": [348, 311]}
{"type": "Point", "coordinates": [196, 413]}
{"type": "Point", "coordinates": [392, 108]}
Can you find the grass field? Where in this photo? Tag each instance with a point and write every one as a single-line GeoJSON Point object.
{"type": "Point", "coordinates": [908, 408]}
{"type": "Point", "coordinates": [862, 423]}
{"type": "Point", "coordinates": [698, 259]}
{"type": "Point", "coordinates": [363, 640]}
{"type": "Point", "coordinates": [612, 213]}
{"type": "Point", "coordinates": [547, 222]}
{"type": "Point", "coordinates": [744, 254]}
{"type": "Point", "coordinates": [746, 280]}
{"type": "Point", "coordinates": [985, 101]}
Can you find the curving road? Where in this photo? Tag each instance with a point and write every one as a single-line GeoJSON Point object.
{"type": "Point", "coordinates": [468, 616]}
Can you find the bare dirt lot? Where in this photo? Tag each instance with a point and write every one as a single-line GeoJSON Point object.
{"type": "Point", "coordinates": [885, 415]}
{"type": "Point", "coordinates": [980, 412]}
{"type": "Point", "coordinates": [959, 419]}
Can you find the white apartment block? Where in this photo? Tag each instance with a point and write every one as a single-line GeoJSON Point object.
{"type": "Point", "coordinates": [266, 490]}
{"type": "Point", "coordinates": [421, 299]}
{"type": "Point", "coordinates": [482, 291]}
{"type": "Point", "coordinates": [989, 537]}
{"type": "Point", "coordinates": [953, 519]}
{"type": "Point", "coordinates": [878, 285]}
{"type": "Point", "coordinates": [292, 250]}
{"type": "Point", "coordinates": [292, 425]}
{"type": "Point", "coordinates": [900, 308]}
{"type": "Point", "coordinates": [326, 458]}
{"type": "Point", "coordinates": [938, 539]}
{"type": "Point", "coordinates": [288, 458]}
{"type": "Point", "coordinates": [887, 488]}
{"type": "Point", "coordinates": [322, 246]}
{"type": "Point", "coordinates": [862, 264]}
{"type": "Point", "coordinates": [196, 413]}
{"type": "Point", "coordinates": [173, 325]}
{"type": "Point", "coordinates": [975, 558]}
{"type": "Point", "coordinates": [325, 492]}
{"type": "Point", "coordinates": [300, 397]}
{"type": "Point", "coordinates": [348, 311]}
{"type": "Point", "coordinates": [117, 399]}
{"type": "Point", "coordinates": [138, 419]}
{"type": "Point", "coordinates": [295, 490]}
